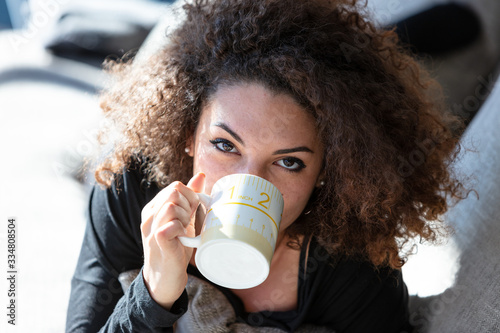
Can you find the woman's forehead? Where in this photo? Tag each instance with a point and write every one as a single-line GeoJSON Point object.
{"type": "Point", "coordinates": [252, 107]}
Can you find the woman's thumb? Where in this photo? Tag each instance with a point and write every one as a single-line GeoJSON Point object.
{"type": "Point", "coordinates": [197, 183]}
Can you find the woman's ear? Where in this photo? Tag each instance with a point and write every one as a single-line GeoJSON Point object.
{"type": "Point", "coordinates": [189, 149]}
{"type": "Point", "coordinates": [320, 181]}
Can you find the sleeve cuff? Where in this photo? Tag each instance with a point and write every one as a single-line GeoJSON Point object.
{"type": "Point", "coordinates": [146, 307]}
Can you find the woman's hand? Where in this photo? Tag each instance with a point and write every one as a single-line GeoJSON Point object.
{"type": "Point", "coordinates": [170, 214]}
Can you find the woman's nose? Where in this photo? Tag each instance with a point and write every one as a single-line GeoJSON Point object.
{"type": "Point", "coordinates": [255, 169]}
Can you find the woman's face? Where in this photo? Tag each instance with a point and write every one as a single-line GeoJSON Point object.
{"type": "Point", "coordinates": [248, 129]}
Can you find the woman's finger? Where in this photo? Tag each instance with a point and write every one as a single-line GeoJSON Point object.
{"type": "Point", "coordinates": [169, 212]}
{"type": "Point", "coordinates": [168, 232]}
{"type": "Point", "coordinates": [168, 194]}
{"type": "Point", "coordinates": [176, 201]}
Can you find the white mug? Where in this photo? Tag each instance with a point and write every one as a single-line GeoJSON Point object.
{"type": "Point", "coordinates": [238, 238]}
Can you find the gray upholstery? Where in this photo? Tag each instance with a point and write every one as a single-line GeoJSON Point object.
{"type": "Point", "coordinates": [472, 304]}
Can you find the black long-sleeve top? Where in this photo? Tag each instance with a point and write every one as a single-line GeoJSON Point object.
{"type": "Point", "coordinates": [347, 295]}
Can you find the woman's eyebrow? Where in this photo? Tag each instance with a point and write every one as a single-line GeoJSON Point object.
{"type": "Point", "coordinates": [230, 131]}
{"type": "Point", "coordinates": [293, 150]}
{"type": "Point", "coordinates": [277, 152]}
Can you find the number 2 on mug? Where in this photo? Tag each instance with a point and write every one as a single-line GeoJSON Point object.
{"type": "Point", "coordinates": [264, 201]}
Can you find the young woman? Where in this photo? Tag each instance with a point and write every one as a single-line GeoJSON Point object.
{"type": "Point", "coordinates": [306, 94]}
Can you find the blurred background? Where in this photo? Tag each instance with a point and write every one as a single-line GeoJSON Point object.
{"type": "Point", "coordinates": [51, 53]}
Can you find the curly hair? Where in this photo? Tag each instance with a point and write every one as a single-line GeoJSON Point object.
{"type": "Point", "coordinates": [389, 143]}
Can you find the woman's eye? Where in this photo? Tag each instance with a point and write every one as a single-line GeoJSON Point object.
{"type": "Point", "coordinates": [291, 164]}
{"type": "Point", "coordinates": [224, 145]}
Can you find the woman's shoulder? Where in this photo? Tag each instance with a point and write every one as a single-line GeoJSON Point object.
{"type": "Point", "coordinates": [348, 287]}
{"type": "Point", "coordinates": [119, 206]}
{"type": "Point", "coordinates": [132, 184]}
{"type": "Point", "coordinates": [317, 260]}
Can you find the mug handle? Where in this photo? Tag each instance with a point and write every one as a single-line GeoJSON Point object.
{"type": "Point", "coordinates": [195, 241]}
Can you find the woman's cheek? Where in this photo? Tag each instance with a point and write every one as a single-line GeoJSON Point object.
{"type": "Point", "coordinates": [211, 165]}
{"type": "Point", "coordinates": [291, 212]}
{"type": "Point", "coordinates": [295, 201]}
